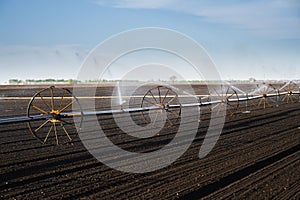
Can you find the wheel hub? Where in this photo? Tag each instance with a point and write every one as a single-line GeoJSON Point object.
{"type": "Point", "coordinates": [55, 116]}
{"type": "Point", "coordinates": [163, 106]}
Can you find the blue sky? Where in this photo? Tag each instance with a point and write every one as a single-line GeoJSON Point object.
{"type": "Point", "coordinates": [50, 39]}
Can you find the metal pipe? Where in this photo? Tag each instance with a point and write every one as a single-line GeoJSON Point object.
{"type": "Point", "coordinates": [131, 110]}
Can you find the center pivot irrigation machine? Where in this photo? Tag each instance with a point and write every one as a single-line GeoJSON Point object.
{"type": "Point", "coordinates": [53, 109]}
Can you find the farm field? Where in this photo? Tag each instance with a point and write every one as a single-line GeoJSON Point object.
{"type": "Point", "coordinates": [256, 157]}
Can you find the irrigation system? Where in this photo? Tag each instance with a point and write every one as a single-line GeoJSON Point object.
{"type": "Point", "coordinates": [55, 107]}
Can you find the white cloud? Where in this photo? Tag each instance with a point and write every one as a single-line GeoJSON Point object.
{"type": "Point", "coordinates": [270, 18]}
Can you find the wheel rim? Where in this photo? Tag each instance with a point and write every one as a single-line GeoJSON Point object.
{"type": "Point", "coordinates": [63, 115]}
{"type": "Point", "coordinates": [290, 89]}
{"type": "Point", "coordinates": [265, 101]}
{"type": "Point", "coordinates": [229, 100]}
{"type": "Point", "coordinates": [170, 107]}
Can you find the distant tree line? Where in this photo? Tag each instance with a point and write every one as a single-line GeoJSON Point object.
{"type": "Point", "coordinates": [74, 81]}
{"type": "Point", "coordinates": [58, 81]}
{"type": "Point", "coordinates": [42, 81]}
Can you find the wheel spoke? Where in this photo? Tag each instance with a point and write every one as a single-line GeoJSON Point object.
{"type": "Point", "coordinates": [48, 134]}
{"type": "Point", "coordinates": [215, 106]}
{"type": "Point", "coordinates": [55, 132]}
{"type": "Point", "coordinates": [153, 96]}
{"type": "Point", "coordinates": [44, 101]}
{"type": "Point", "coordinates": [40, 109]}
{"type": "Point", "coordinates": [41, 126]}
{"type": "Point", "coordinates": [165, 96]}
{"type": "Point", "coordinates": [272, 100]}
{"type": "Point", "coordinates": [288, 98]}
{"type": "Point", "coordinates": [171, 123]}
{"type": "Point", "coordinates": [61, 100]}
{"type": "Point", "coordinates": [172, 99]}
{"type": "Point", "coordinates": [285, 96]}
{"type": "Point", "coordinates": [174, 114]}
{"type": "Point", "coordinates": [231, 95]}
{"type": "Point", "coordinates": [66, 132]}
{"type": "Point", "coordinates": [154, 121]}
{"type": "Point", "coordinates": [267, 103]}
{"type": "Point", "coordinates": [272, 89]}
{"type": "Point", "coordinates": [69, 123]}
{"type": "Point", "coordinates": [149, 101]}
{"type": "Point", "coordinates": [260, 101]}
{"type": "Point", "coordinates": [227, 91]}
{"type": "Point", "coordinates": [67, 106]}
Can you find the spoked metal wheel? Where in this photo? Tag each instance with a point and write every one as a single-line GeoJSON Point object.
{"type": "Point", "coordinates": [62, 112]}
{"type": "Point", "coordinates": [264, 91]}
{"type": "Point", "coordinates": [229, 100]}
{"type": "Point", "coordinates": [290, 92]}
{"type": "Point", "coordinates": [169, 107]}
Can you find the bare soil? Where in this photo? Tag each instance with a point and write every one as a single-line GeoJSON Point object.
{"type": "Point", "coordinates": [256, 157]}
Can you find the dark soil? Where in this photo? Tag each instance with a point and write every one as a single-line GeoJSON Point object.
{"type": "Point", "coordinates": [256, 157]}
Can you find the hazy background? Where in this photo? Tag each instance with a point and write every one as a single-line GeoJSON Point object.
{"type": "Point", "coordinates": [49, 39]}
